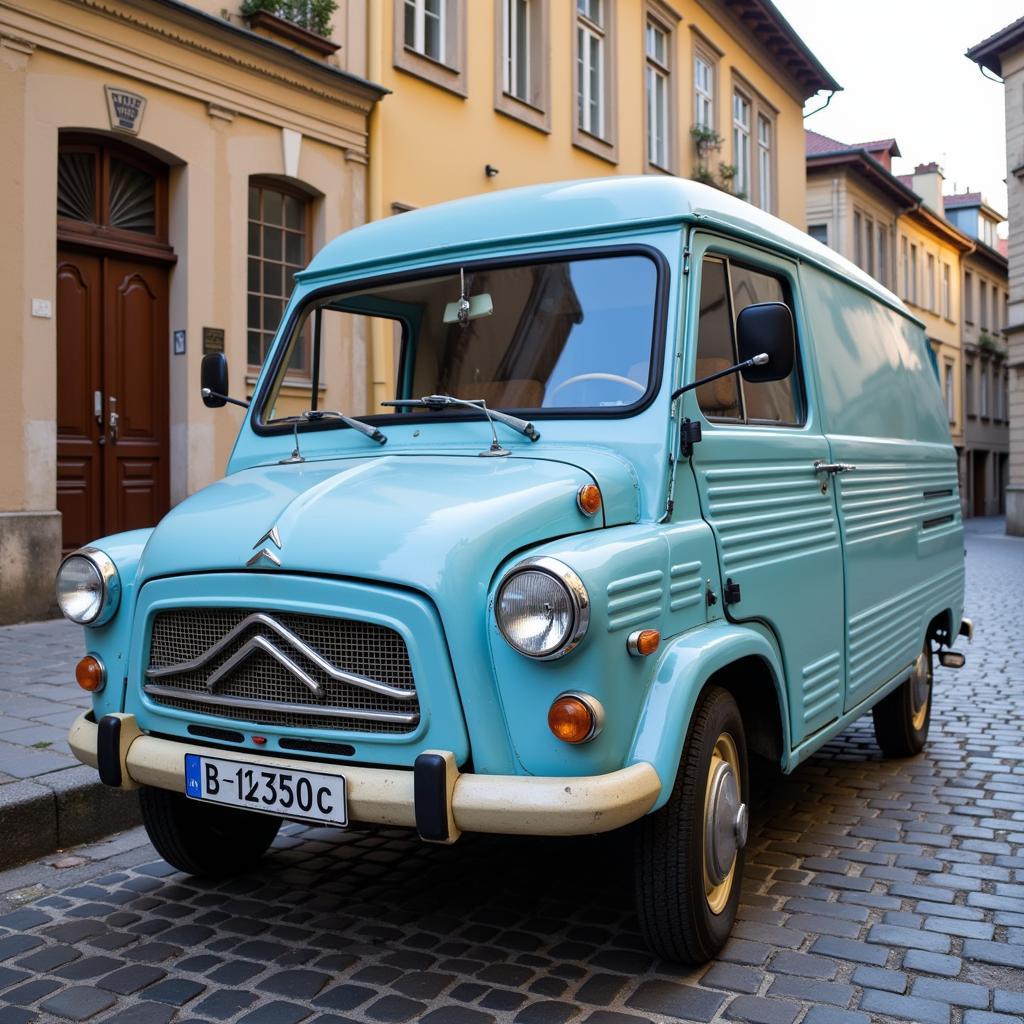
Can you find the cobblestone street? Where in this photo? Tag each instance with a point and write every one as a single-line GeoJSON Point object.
{"type": "Point", "coordinates": [876, 891]}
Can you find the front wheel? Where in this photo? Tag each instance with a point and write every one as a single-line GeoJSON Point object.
{"type": "Point", "coordinates": [689, 854]}
{"type": "Point", "coordinates": [902, 719]}
{"type": "Point", "coordinates": [204, 839]}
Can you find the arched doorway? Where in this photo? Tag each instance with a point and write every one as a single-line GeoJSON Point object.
{"type": "Point", "coordinates": [113, 262]}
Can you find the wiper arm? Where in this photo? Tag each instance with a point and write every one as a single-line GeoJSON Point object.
{"type": "Point", "coordinates": [312, 415]}
{"type": "Point", "coordinates": [524, 427]}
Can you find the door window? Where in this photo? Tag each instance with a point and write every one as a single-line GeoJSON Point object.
{"type": "Point", "coordinates": [726, 289]}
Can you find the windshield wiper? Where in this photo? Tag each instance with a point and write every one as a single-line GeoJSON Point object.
{"type": "Point", "coordinates": [524, 427]}
{"type": "Point", "coordinates": [312, 415]}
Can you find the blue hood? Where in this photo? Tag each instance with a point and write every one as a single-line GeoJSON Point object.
{"type": "Point", "coordinates": [414, 520]}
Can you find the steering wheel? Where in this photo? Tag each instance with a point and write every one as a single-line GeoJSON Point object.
{"type": "Point", "coordinates": [615, 378]}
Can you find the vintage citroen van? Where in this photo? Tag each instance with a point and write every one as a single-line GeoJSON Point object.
{"type": "Point", "coordinates": [664, 486]}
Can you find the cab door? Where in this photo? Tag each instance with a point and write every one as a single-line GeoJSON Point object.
{"type": "Point", "coordinates": [775, 524]}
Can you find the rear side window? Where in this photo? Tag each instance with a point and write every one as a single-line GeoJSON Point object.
{"type": "Point", "coordinates": [727, 288]}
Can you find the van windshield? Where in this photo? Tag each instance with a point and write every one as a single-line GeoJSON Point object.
{"type": "Point", "coordinates": [573, 334]}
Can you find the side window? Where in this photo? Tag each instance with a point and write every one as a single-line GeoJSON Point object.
{"type": "Point", "coordinates": [726, 289]}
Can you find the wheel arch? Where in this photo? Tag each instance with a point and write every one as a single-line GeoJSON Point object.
{"type": "Point", "coordinates": [735, 657]}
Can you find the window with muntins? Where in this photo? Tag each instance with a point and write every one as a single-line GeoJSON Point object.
{"type": "Point", "coordinates": [517, 15]}
{"type": "Point", "coordinates": [590, 67]}
{"type": "Point", "coordinates": [726, 289]}
{"type": "Point", "coordinates": [657, 80]}
{"type": "Point", "coordinates": [703, 92]}
{"type": "Point", "coordinates": [764, 163]}
{"type": "Point", "coordinates": [278, 248]}
{"type": "Point", "coordinates": [741, 143]}
{"type": "Point", "coordinates": [425, 28]}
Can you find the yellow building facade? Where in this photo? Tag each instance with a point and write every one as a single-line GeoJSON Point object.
{"type": "Point", "coordinates": [165, 170]}
{"type": "Point", "coordinates": [491, 94]}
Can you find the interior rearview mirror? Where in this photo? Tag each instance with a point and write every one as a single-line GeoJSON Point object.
{"type": "Point", "coordinates": [471, 308]}
{"type": "Point", "coordinates": [766, 327]}
{"type": "Point", "coordinates": [213, 378]}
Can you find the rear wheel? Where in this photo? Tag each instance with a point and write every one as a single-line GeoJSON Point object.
{"type": "Point", "coordinates": [902, 719]}
{"type": "Point", "coordinates": [204, 839]}
{"type": "Point", "coordinates": [689, 854]}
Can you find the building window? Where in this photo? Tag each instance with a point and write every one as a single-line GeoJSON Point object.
{"type": "Point", "coordinates": [521, 87]}
{"type": "Point", "coordinates": [950, 396]}
{"type": "Point", "coordinates": [983, 314]}
{"type": "Point", "coordinates": [764, 163]}
{"type": "Point", "coordinates": [869, 245]}
{"type": "Point", "coordinates": [968, 297]}
{"type": "Point", "coordinates": [425, 28]}
{"type": "Point", "coordinates": [913, 274]}
{"type": "Point", "coordinates": [905, 263]}
{"type": "Point", "coordinates": [969, 387]}
{"type": "Point", "coordinates": [593, 57]}
{"type": "Point", "coordinates": [932, 304]}
{"type": "Point", "coordinates": [858, 239]}
{"type": "Point", "coordinates": [741, 144]}
{"type": "Point", "coordinates": [278, 248]}
{"type": "Point", "coordinates": [983, 398]}
{"type": "Point", "coordinates": [947, 308]}
{"type": "Point", "coordinates": [429, 41]}
{"type": "Point", "coordinates": [819, 232]}
{"type": "Point", "coordinates": [703, 92]}
{"type": "Point", "coordinates": [995, 309]}
{"type": "Point", "coordinates": [883, 254]}
{"type": "Point", "coordinates": [658, 93]}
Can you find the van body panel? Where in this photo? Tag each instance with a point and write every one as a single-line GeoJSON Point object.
{"type": "Point", "coordinates": [681, 673]}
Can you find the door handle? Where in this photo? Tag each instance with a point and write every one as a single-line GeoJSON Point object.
{"type": "Point", "coordinates": [821, 466]}
{"type": "Point", "coordinates": [113, 420]}
{"type": "Point", "coordinates": [97, 406]}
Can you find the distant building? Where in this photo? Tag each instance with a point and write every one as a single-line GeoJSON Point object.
{"type": "Point", "coordinates": [893, 227]}
{"type": "Point", "coordinates": [983, 319]}
{"type": "Point", "coordinates": [1003, 54]}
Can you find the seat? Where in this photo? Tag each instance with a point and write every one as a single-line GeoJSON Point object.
{"type": "Point", "coordinates": [718, 397]}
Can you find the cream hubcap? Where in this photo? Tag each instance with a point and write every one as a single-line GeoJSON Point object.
{"type": "Point", "coordinates": [725, 822]}
{"type": "Point", "coordinates": [920, 689]}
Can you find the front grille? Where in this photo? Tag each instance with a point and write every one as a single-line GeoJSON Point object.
{"type": "Point", "coordinates": [285, 669]}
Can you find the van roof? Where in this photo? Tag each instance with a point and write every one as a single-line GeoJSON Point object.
{"type": "Point", "coordinates": [570, 209]}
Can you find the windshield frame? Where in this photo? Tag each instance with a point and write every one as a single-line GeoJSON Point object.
{"type": "Point", "coordinates": [271, 370]}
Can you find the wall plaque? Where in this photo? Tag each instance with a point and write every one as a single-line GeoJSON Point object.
{"type": "Point", "coordinates": [179, 343]}
{"type": "Point", "coordinates": [213, 339]}
{"type": "Point", "coordinates": [125, 109]}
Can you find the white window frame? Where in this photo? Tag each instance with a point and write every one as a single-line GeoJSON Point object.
{"type": "Point", "coordinates": [659, 112]}
{"type": "Point", "coordinates": [703, 96]}
{"type": "Point", "coordinates": [933, 302]}
{"type": "Point", "coordinates": [594, 21]}
{"type": "Point", "coordinates": [516, 49]}
{"type": "Point", "coordinates": [420, 15]}
{"type": "Point", "coordinates": [765, 148]}
{"type": "Point", "coordinates": [741, 142]}
{"type": "Point", "coordinates": [534, 107]}
{"type": "Point", "coordinates": [950, 395]}
{"type": "Point", "coordinates": [945, 288]}
{"type": "Point", "coordinates": [983, 405]}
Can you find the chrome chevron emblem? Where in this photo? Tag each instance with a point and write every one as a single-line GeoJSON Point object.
{"type": "Point", "coordinates": [260, 642]}
{"type": "Point", "coordinates": [275, 538]}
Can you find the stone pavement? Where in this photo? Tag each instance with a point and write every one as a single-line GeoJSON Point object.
{"type": "Point", "coordinates": [47, 799]}
{"type": "Point", "coordinates": [877, 891]}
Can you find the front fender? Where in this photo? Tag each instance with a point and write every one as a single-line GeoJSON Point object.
{"type": "Point", "coordinates": [683, 670]}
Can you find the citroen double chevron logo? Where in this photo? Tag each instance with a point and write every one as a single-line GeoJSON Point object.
{"type": "Point", "coordinates": [275, 538]}
{"type": "Point", "coordinates": [260, 641]}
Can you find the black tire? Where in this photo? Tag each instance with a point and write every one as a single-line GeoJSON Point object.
{"type": "Point", "coordinates": [902, 718]}
{"type": "Point", "coordinates": [674, 901]}
{"type": "Point", "coordinates": [204, 839]}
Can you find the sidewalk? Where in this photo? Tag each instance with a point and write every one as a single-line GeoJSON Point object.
{"type": "Point", "coordinates": [48, 801]}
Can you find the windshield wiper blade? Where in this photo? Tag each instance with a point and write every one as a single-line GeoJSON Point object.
{"type": "Point", "coordinates": [312, 415]}
{"type": "Point", "coordinates": [524, 427]}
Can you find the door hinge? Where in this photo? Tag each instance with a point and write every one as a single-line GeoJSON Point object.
{"type": "Point", "coordinates": [690, 435]}
{"type": "Point", "coordinates": [686, 261]}
{"type": "Point", "coordinates": [731, 592]}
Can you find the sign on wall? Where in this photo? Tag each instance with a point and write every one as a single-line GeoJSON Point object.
{"type": "Point", "coordinates": [125, 109]}
{"type": "Point", "coordinates": [213, 340]}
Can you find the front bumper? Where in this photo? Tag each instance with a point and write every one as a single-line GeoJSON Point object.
{"type": "Point", "coordinates": [507, 804]}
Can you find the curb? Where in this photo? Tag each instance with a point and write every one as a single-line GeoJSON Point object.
{"type": "Point", "coordinates": [64, 808]}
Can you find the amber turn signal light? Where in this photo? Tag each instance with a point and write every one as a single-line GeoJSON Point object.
{"type": "Point", "coordinates": [575, 717]}
{"type": "Point", "coordinates": [90, 674]}
{"type": "Point", "coordinates": [643, 642]}
{"type": "Point", "coordinates": [588, 499]}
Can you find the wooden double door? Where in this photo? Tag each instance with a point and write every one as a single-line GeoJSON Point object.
{"type": "Point", "coordinates": [112, 393]}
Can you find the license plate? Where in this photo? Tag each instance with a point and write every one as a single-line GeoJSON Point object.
{"type": "Point", "coordinates": [305, 796]}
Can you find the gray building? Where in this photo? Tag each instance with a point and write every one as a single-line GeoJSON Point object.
{"type": "Point", "coordinates": [1002, 54]}
{"type": "Point", "coordinates": [983, 307]}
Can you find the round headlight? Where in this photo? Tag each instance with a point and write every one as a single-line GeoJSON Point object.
{"type": "Point", "coordinates": [88, 587]}
{"type": "Point", "coordinates": [542, 608]}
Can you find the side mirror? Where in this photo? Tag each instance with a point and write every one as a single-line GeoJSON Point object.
{"type": "Point", "coordinates": [766, 327]}
{"type": "Point", "coordinates": [213, 378]}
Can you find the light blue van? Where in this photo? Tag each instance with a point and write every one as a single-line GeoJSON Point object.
{"type": "Point", "coordinates": [666, 486]}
